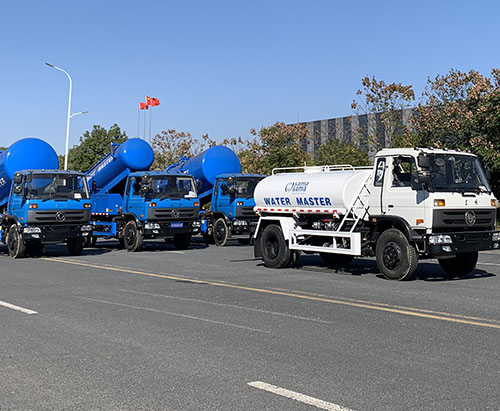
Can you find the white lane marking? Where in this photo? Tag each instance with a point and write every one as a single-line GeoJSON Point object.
{"type": "Point", "coordinates": [495, 264]}
{"type": "Point", "coordinates": [298, 317]}
{"type": "Point", "coordinates": [177, 252]}
{"type": "Point", "coordinates": [306, 399]}
{"type": "Point", "coordinates": [174, 314]}
{"type": "Point", "coordinates": [17, 308]}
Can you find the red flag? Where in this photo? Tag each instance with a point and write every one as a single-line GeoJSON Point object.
{"type": "Point", "coordinates": [143, 106]}
{"type": "Point", "coordinates": [154, 102]}
{"type": "Point", "coordinates": [148, 101]}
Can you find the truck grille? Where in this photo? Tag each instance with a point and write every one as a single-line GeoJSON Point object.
{"type": "Point", "coordinates": [245, 212]}
{"type": "Point", "coordinates": [454, 219]}
{"type": "Point", "coordinates": [173, 214]}
{"type": "Point", "coordinates": [58, 216]}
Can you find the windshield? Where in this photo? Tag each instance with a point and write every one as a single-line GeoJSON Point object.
{"type": "Point", "coordinates": [57, 186]}
{"type": "Point", "coordinates": [457, 173]}
{"type": "Point", "coordinates": [244, 187]}
{"type": "Point", "coordinates": [169, 187]}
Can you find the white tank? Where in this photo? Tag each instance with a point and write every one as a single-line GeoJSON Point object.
{"type": "Point", "coordinates": [313, 191]}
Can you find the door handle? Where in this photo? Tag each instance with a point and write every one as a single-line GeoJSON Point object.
{"type": "Point", "coordinates": [390, 206]}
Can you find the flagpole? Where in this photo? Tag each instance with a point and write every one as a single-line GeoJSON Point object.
{"type": "Point", "coordinates": [145, 111]}
{"type": "Point", "coordinates": [138, 121]}
{"type": "Point", "coordinates": [150, 122]}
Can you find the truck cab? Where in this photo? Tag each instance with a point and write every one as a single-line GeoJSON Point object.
{"type": "Point", "coordinates": [231, 210]}
{"type": "Point", "coordinates": [46, 206]}
{"type": "Point", "coordinates": [151, 205]}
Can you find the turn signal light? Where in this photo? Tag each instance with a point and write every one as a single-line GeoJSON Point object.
{"type": "Point", "coordinates": [86, 205]}
{"type": "Point", "coordinates": [239, 203]}
{"type": "Point", "coordinates": [493, 203]}
{"type": "Point", "coordinates": [439, 203]}
{"type": "Point", "coordinates": [152, 204]}
{"type": "Point", "coordinates": [420, 221]}
{"type": "Point", "coordinates": [33, 206]}
{"type": "Point", "coordinates": [196, 204]}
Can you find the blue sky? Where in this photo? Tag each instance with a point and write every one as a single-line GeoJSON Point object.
{"type": "Point", "coordinates": [222, 67]}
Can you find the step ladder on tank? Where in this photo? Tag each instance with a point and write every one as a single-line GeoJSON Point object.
{"type": "Point", "coordinates": [342, 240]}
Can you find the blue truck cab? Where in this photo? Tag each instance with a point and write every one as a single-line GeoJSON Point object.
{"type": "Point", "coordinates": [46, 206]}
{"type": "Point", "coordinates": [132, 204]}
{"type": "Point", "coordinates": [231, 211]}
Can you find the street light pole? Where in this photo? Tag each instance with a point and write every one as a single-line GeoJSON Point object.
{"type": "Point", "coordinates": [69, 113]}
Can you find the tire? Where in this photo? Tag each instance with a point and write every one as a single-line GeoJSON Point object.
{"type": "Point", "coordinates": [15, 243]}
{"type": "Point", "coordinates": [397, 259]}
{"type": "Point", "coordinates": [336, 259]}
{"type": "Point", "coordinates": [75, 246]}
{"type": "Point", "coordinates": [275, 251]}
{"type": "Point", "coordinates": [182, 241]}
{"type": "Point", "coordinates": [221, 232]}
{"type": "Point", "coordinates": [460, 265]}
{"type": "Point", "coordinates": [132, 237]}
{"type": "Point", "coordinates": [294, 257]}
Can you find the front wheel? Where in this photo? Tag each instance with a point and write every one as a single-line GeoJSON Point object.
{"type": "Point", "coordinates": [275, 251]}
{"type": "Point", "coordinates": [182, 241]}
{"type": "Point", "coordinates": [460, 265]}
{"type": "Point", "coordinates": [396, 257]}
{"type": "Point", "coordinates": [132, 237]}
{"type": "Point", "coordinates": [15, 243]}
{"type": "Point", "coordinates": [75, 246]}
{"type": "Point", "coordinates": [221, 232]}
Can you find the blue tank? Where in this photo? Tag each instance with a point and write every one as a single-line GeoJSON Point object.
{"type": "Point", "coordinates": [25, 154]}
{"type": "Point", "coordinates": [207, 165]}
{"type": "Point", "coordinates": [133, 155]}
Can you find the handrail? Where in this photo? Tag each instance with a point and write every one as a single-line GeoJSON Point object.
{"type": "Point", "coordinates": [326, 168]}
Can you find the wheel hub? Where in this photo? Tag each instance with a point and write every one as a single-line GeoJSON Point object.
{"type": "Point", "coordinates": [392, 255]}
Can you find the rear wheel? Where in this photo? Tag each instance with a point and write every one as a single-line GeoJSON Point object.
{"type": "Point", "coordinates": [182, 241]}
{"type": "Point", "coordinates": [221, 232]}
{"type": "Point", "coordinates": [460, 265]}
{"type": "Point", "coordinates": [336, 259]}
{"type": "Point", "coordinates": [132, 237]}
{"type": "Point", "coordinates": [15, 243]}
{"type": "Point", "coordinates": [396, 257]}
{"type": "Point", "coordinates": [75, 246]}
{"type": "Point", "coordinates": [275, 251]}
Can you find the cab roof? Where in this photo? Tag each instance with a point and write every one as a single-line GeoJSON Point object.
{"type": "Point", "coordinates": [237, 175]}
{"type": "Point", "coordinates": [50, 171]}
{"type": "Point", "coordinates": [416, 151]}
{"type": "Point", "coordinates": [157, 173]}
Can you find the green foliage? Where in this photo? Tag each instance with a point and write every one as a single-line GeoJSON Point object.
{"type": "Point", "coordinates": [279, 145]}
{"type": "Point", "coordinates": [339, 152]}
{"type": "Point", "coordinates": [93, 146]}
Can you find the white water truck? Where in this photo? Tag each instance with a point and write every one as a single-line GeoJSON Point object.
{"type": "Point", "coordinates": [413, 204]}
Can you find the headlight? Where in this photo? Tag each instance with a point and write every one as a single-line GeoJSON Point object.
{"type": "Point", "coordinates": [31, 230]}
{"type": "Point", "coordinates": [196, 224]}
{"type": "Point", "coordinates": [496, 236]}
{"type": "Point", "coordinates": [86, 228]}
{"type": "Point", "coordinates": [440, 239]}
{"type": "Point", "coordinates": [152, 226]}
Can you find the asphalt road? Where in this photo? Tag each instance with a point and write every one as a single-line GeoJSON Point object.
{"type": "Point", "coordinates": [213, 329]}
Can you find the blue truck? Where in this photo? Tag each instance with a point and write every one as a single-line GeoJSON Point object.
{"type": "Point", "coordinates": [131, 203]}
{"type": "Point", "coordinates": [224, 192]}
{"type": "Point", "coordinates": [40, 204]}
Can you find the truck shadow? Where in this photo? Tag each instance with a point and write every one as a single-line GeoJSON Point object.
{"type": "Point", "coordinates": [426, 271]}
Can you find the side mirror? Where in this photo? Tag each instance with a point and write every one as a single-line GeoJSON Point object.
{"type": "Point", "coordinates": [94, 185]}
{"type": "Point", "coordinates": [18, 189]}
{"type": "Point", "coordinates": [488, 174]}
{"type": "Point", "coordinates": [198, 185]}
{"type": "Point", "coordinates": [424, 178]}
{"type": "Point", "coordinates": [424, 161]}
{"type": "Point", "coordinates": [230, 181]}
{"type": "Point", "coordinates": [18, 178]}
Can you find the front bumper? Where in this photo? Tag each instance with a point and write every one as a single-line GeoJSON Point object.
{"type": "Point", "coordinates": [464, 242]}
{"type": "Point", "coordinates": [55, 233]}
{"type": "Point", "coordinates": [156, 229]}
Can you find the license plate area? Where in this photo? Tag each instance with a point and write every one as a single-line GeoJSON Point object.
{"type": "Point", "coordinates": [177, 225]}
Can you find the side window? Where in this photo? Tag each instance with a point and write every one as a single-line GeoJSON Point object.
{"type": "Point", "coordinates": [404, 173]}
{"type": "Point", "coordinates": [379, 173]}
{"type": "Point", "coordinates": [136, 186]}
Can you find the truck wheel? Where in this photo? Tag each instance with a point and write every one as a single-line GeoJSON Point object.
{"type": "Point", "coordinates": [294, 257]}
{"type": "Point", "coordinates": [75, 246]}
{"type": "Point", "coordinates": [15, 243]}
{"type": "Point", "coordinates": [275, 252]}
{"type": "Point", "coordinates": [460, 265]}
{"type": "Point", "coordinates": [336, 259]}
{"type": "Point", "coordinates": [221, 232]}
{"type": "Point", "coordinates": [396, 257]}
{"type": "Point", "coordinates": [182, 241]}
{"type": "Point", "coordinates": [132, 237]}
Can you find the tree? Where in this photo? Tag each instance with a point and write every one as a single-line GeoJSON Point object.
{"type": "Point", "coordinates": [383, 105]}
{"type": "Point", "coordinates": [339, 152]}
{"type": "Point", "coordinates": [93, 146]}
{"type": "Point", "coordinates": [279, 145]}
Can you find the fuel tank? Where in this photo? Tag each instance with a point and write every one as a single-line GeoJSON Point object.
{"type": "Point", "coordinates": [315, 190]}
{"type": "Point", "coordinates": [25, 154]}
{"type": "Point", "coordinates": [133, 155]}
{"type": "Point", "coordinates": [206, 166]}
